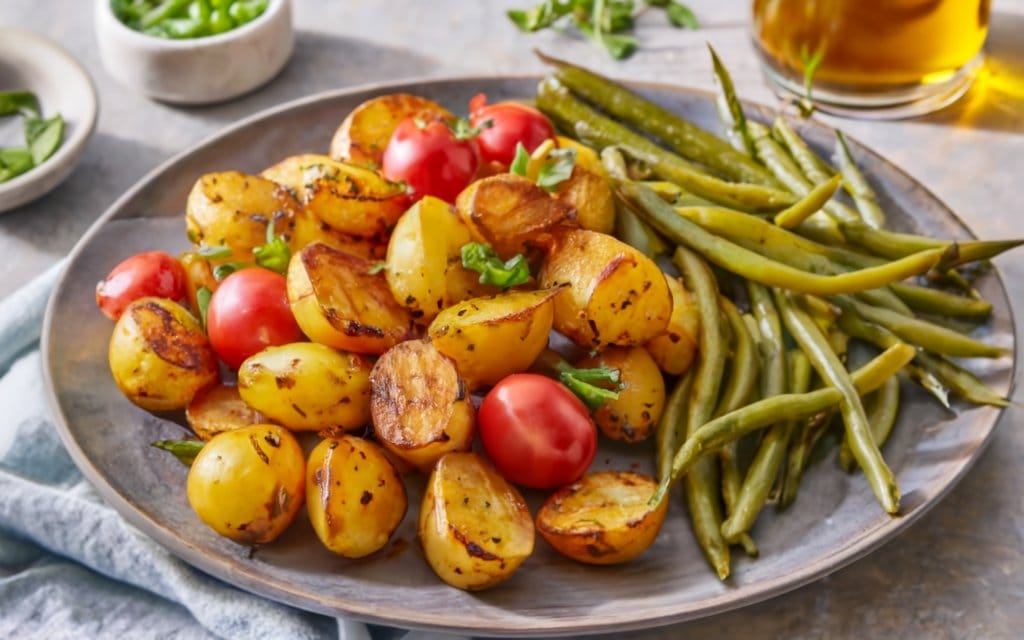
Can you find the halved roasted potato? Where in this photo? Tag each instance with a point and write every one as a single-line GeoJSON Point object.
{"type": "Point", "coordinates": [615, 294]}
{"type": "Point", "coordinates": [420, 406]}
{"type": "Point", "coordinates": [309, 229]}
{"type": "Point", "coordinates": [603, 518]}
{"type": "Point", "coordinates": [586, 190]}
{"type": "Point", "coordinates": [160, 356]}
{"type": "Point", "coordinates": [490, 338]}
{"type": "Point", "coordinates": [674, 348]}
{"type": "Point", "coordinates": [474, 526]}
{"type": "Point", "coordinates": [198, 274]}
{"type": "Point", "coordinates": [510, 213]}
{"type": "Point", "coordinates": [352, 199]}
{"type": "Point", "coordinates": [339, 299]}
{"type": "Point", "coordinates": [354, 496]}
{"type": "Point", "coordinates": [233, 209]}
{"type": "Point", "coordinates": [249, 484]}
{"type": "Point", "coordinates": [424, 268]}
{"type": "Point", "coordinates": [220, 408]}
{"type": "Point", "coordinates": [633, 415]}
{"type": "Point", "coordinates": [306, 386]}
{"type": "Point", "coordinates": [291, 172]}
{"type": "Point", "coordinates": [365, 132]}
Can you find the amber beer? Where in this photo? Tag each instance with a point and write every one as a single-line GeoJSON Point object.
{"type": "Point", "coordinates": [870, 46]}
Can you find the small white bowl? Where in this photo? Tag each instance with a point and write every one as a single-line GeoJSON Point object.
{"type": "Point", "coordinates": [197, 70]}
{"type": "Point", "coordinates": [30, 62]}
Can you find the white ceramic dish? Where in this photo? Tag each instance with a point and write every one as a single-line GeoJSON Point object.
{"type": "Point", "coordinates": [197, 70]}
{"type": "Point", "coordinates": [31, 62]}
{"type": "Point", "coordinates": [834, 521]}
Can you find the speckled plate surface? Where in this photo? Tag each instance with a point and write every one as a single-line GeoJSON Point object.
{"type": "Point", "coordinates": [834, 521]}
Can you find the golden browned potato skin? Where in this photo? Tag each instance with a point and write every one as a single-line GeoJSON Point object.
{"type": "Point", "coordinates": [354, 496]}
{"type": "Point", "coordinates": [337, 301]}
{"type": "Point", "coordinates": [675, 347]}
{"type": "Point", "coordinates": [633, 415]}
{"type": "Point", "coordinates": [353, 199]}
{"type": "Point", "coordinates": [248, 484]}
{"type": "Point", "coordinates": [308, 229]}
{"type": "Point", "coordinates": [306, 386]}
{"type": "Point", "coordinates": [602, 518]}
{"type": "Point", "coordinates": [591, 197]}
{"type": "Point", "coordinates": [233, 209]}
{"type": "Point", "coordinates": [198, 274]}
{"type": "Point", "coordinates": [160, 356]}
{"type": "Point", "coordinates": [424, 264]}
{"type": "Point", "coordinates": [366, 131]}
{"type": "Point", "coordinates": [490, 338]}
{"type": "Point", "coordinates": [220, 408]}
{"type": "Point", "coordinates": [420, 405]}
{"type": "Point", "coordinates": [614, 294]}
{"type": "Point", "coordinates": [474, 526]}
{"type": "Point", "coordinates": [511, 214]}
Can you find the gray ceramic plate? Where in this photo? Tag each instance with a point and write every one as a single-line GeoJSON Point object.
{"type": "Point", "coordinates": [834, 521]}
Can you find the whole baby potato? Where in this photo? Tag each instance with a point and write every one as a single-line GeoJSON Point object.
{"type": "Point", "coordinates": [306, 386]}
{"type": "Point", "coordinates": [160, 356]}
{"type": "Point", "coordinates": [633, 415]}
{"type": "Point", "coordinates": [248, 484]}
{"type": "Point", "coordinates": [354, 496]}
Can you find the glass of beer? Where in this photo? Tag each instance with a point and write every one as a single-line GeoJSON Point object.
{"type": "Point", "coordinates": [872, 58]}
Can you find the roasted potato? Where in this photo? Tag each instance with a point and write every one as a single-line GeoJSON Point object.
{"type": "Point", "coordinates": [291, 172]}
{"type": "Point", "coordinates": [675, 347]}
{"type": "Point", "coordinates": [586, 191]}
{"type": "Point", "coordinates": [220, 408]}
{"type": "Point", "coordinates": [615, 295]}
{"type": "Point", "coordinates": [352, 199]}
{"type": "Point", "coordinates": [233, 209]}
{"type": "Point", "coordinates": [248, 484]}
{"type": "Point", "coordinates": [633, 415]}
{"type": "Point", "coordinates": [586, 157]}
{"type": "Point", "coordinates": [602, 518]}
{"type": "Point", "coordinates": [354, 496]}
{"type": "Point", "coordinates": [474, 526]}
{"type": "Point", "coordinates": [424, 267]}
{"type": "Point", "coordinates": [160, 356]}
{"type": "Point", "coordinates": [198, 274]}
{"type": "Point", "coordinates": [309, 229]}
{"type": "Point", "coordinates": [489, 338]}
{"type": "Point", "coordinates": [306, 386]}
{"type": "Point", "coordinates": [365, 133]}
{"type": "Point", "coordinates": [420, 406]}
{"type": "Point", "coordinates": [511, 213]}
{"type": "Point", "coordinates": [337, 301]}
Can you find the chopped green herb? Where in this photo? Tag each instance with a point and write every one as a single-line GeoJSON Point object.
{"type": "Point", "coordinates": [520, 162]}
{"type": "Point", "coordinates": [184, 450]}
{"type": "Point", "coordinates": [203, 296]}
{"type": "Point", "coordinates": [19, 102]}
{"type": "Point", "coordinates": [275, 254]}
{"type": "Point", "coordinates": [582, 383]}
{"type": "Point", "coordinates": [558, 170]}
{"type": "Point", "coordinates": [376, 268]}
{"type": "Point", "coordinates": [482, 259]}
{"type": "Point", "coordinates": [43, 137]}
{"type": "Point", "coordinates": [214, 252]}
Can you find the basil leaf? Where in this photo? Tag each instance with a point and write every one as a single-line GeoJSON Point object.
{"type": "Point", "coordinates": [521, 160]}
{"type": "Point", "coordinates": [19, 102]}
{"type": "Point", "coordinates": [14, 162]}
{"type": "Point", "coordinates": [203, 296]}
{"type": "Point", "coordinates": [681, 16]}
{"type": "Point", "coordinates": [43, 137]}
{"type": "Point", "coordinates": [558, 170]}
{"type": "Point", "coordinates": [482, 259]}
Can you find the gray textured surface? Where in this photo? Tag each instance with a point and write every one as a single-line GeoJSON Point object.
{"type": "Point", "coordinates": [959, 575]}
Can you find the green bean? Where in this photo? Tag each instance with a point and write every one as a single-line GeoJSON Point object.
{"type": "Point", "coordinates": [600, 131]}
{"type": "Point", "coordinates": [805, 332]}
{"type": "Point", "coordinates": [701, 486]}
{"type": "Point", "coordinates": [675, 195]}
{"type": "Point", "coordinates": [811, 165]}
{"type": "Point", "coordinates": [941, 303]}
{"type": "Point", "coordinates": [805, 438]}
{"type": "Point", "coordinates": [768, 460]}
{"type": "Point", "coordinates": [686, 138]}
{"type": "Point", "coordinates": [743, 375]}
{"type": "Point", "coordinates": [881, 417]}
{"type": "Point", "coordinates": [891, 244]}
{"type": "Point", "coordinates": [962, 382]}
{"type": "Point", "coordinates": [921, 333]}
{"type": "Point", "coordinates": [638, 234]}
{"type": "Point", "coordinates": [750, 265]}
{"type": "Point", "coordinates": [671, 428]}
{"type": "Point", "coordinates": [809, 204]}
{"type": "Point", "coordinates": [857, 185]}
{"type": "Point", "coordinates": [730, 111]}
{"type": "Point", "coordinates": [757, 415]}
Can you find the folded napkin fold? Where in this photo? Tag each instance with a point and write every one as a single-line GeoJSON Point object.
{"type": "Point", "coordinates": [70, 566]}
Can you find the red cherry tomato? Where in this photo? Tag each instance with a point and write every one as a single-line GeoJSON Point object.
{"type": "Point", "coordinates": [537, 433]}
{"type": "Point", "coordinates": [430, 159]}
{"type": "Point", "coordinates": [153, 273]}
{"type": "Point", "coordinates": [510, 124]}
{"type": "Point", "coordinates": [249, 312]}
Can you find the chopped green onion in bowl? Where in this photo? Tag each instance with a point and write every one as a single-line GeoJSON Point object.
{"type": "Point", "coordinates": [184, 19]}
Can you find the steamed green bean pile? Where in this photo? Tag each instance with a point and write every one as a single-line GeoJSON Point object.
{"type": "Point", "coordinates": [786, 271]}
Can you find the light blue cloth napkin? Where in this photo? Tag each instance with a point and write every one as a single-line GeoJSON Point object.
{"type": "Point", "coordinates": [70, 566]}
